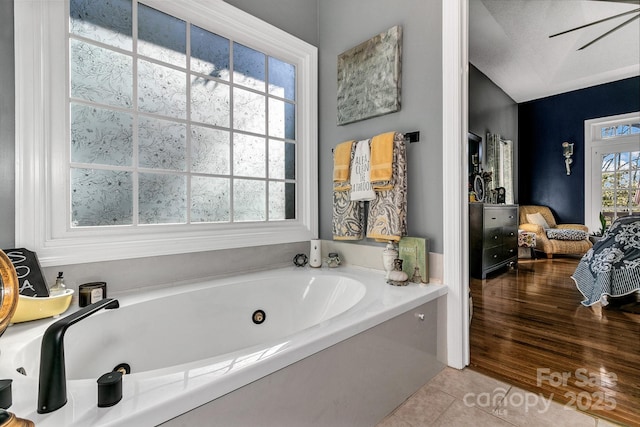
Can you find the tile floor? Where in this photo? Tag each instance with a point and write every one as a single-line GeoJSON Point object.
{"type": "Point", "coordinates": [468, 398]}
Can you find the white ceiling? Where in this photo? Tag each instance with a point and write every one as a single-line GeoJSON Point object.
{"type": "Point", "coordinates": [509, 42]}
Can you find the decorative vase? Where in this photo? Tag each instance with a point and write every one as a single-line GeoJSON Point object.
{"type": "Point", "coordinates": [389, 254]}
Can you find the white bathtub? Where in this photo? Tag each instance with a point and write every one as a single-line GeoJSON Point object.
{"type": "Point", "coordinates": [190, 344]}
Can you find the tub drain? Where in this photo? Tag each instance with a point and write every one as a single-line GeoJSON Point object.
{"type": "Point", "coordinates": [258, 317]}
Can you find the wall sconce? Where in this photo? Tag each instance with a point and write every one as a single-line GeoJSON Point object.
{"type": "Point", "coordinates": [567, 151]}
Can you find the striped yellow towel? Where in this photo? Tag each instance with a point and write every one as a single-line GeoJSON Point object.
{"type": "Point", "coordinates": [341, 165]}
{"type": "Point", "coordinates": [382, 161]}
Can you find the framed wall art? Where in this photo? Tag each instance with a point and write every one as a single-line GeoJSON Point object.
{"type": "Point", "coordinates": [369, 77]}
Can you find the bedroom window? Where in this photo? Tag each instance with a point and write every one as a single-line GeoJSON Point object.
{"type": "Point", "coordinates": [183, 127]}
{"type": "Point", "coordinates": [620, 174]}
{"type": "Point", "coordinates": [612, 168]}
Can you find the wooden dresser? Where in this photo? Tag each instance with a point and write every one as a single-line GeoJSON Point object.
{"type": "Point", "coordinates": [493, 237]}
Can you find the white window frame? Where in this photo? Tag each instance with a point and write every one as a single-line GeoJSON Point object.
{"type": "Point", "coordinates": [595, 148]}
{"type": "Point", "coordinates": [41, 124]}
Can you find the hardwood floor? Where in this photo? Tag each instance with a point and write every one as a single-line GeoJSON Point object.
{"type": "Point", "coordinates": [529, 329]}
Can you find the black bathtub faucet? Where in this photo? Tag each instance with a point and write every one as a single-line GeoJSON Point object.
{"type": "Point", "coordinates": [52, 382]}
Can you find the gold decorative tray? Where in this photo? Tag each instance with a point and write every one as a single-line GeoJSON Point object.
{"type": "Point", "coordinates": [8, 291]}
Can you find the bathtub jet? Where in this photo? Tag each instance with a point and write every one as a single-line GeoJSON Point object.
{"type": "Point", "coordinates": [52, 386]}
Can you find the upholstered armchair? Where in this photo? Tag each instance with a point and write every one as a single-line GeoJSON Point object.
{"type": "Point", "coordinates": [553, 238]}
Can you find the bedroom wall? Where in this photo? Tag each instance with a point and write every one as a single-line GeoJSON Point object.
{"type": "Point", "coordinates": [545, 123]}
{"type": "Point", "coordinates": [492, 110]}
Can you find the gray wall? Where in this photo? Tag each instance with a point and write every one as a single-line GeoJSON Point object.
{"type": "Point", "coordinates": [297, 17]}
{"type": "Point", "coordinates": [334, 26]}
{"type": "Point", "coordinates": [7, 127]}
{"type": "Point", "coordinates": [492, 110]}
{"type": "Point", "coordinates": [345, 24]}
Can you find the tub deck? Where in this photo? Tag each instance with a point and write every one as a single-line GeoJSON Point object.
{"type": "Point", "coordinates": [158, 395]}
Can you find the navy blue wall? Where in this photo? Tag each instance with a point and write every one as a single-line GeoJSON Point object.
{"type": "Point", "coordinates": [545, 123]}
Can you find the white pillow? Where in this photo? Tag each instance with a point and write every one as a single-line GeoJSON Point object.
{"type": "Point", "coordinates": [538, 219]}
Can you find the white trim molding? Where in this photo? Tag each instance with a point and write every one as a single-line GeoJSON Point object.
{"type": "Point", "coordinates": [455, 70]}
{"type": "Point", "coordinates": [41, 117]}
{"type": "Point", "coordinates": [595, 148]}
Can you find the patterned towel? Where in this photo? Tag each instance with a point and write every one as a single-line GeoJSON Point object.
{"type": "Point", "coordinates": [348, 217]}
{"type": "Point", "coordinates": [388, 212]}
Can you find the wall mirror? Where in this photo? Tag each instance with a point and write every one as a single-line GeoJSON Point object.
{"type": "Point", "coordinates": [499, 161]}
{"type": "Point", "coordinates": [475, 153]}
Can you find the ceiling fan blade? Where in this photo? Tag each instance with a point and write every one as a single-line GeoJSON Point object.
{"type": "Point", "coordinates": [610, 31]}
{"type": "Point", "coordinates": [596, 22]}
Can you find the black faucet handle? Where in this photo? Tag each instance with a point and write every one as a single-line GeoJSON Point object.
{"type": "Point", "coordinates": [52, 386]}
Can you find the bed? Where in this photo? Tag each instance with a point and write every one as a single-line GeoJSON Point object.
{"type": "Point", "coordinates": [611, 268]}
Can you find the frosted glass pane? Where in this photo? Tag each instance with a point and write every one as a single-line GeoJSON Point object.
{"type": "Point", "coordinates": [210, 200]}
{"type": "Point", "coordinates": [282, 119]}
{"type": "Point", "coordinates": [162, 199]}
{"type": "Point", "coordinates": [161, 36]}
{"type": "Point", "coordinates": [282, 201]}
{"type": "Point", "coordinates": [282, 79]}
{"type": "Point", "coordinates": [108, 22]}
{"type": "Point", "coordinates": [282, 160]}
{"type": "Point", "coordinates": [249, 111]}
{"type": "Point", "coordinates": [101, 197]}
{"type": "Point", "coordinates": [209, 53]}
{"type": "Point", "coordinates": [101, 136]}
{"type": "Point", "coordinates": [100, 75]}
{"type": "Point", "coordinates": [248, 67]}
{"type": "Point", "coordinates": [210, 102]}
{"type": "Point", "coordinates": [161, 90]}
{"type": "Point", "coordinates": [162, 144]}
{"type": "Point", "coordinates": [249, 156]}
{"type": "Point", "coordinates": [210, 150]}
{"type": "Point", "coordinates": [249, 200]}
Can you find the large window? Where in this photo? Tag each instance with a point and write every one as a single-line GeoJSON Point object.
{"type": "Point", "coordinates": [182, 127]}
{"type": "Point", "coordinates": [612, 165]}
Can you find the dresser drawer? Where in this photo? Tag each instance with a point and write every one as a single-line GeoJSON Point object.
{"type": "Point", "coordinates": [498, 217]}
{"type": "Point", "coordinates": [510, 251]}
{"type": "Point", "coordinates": [492, 237]}
{"type": "Point", "coordinates": [493, 256]}
{"type": "Point", "coordinates": [510, 236]}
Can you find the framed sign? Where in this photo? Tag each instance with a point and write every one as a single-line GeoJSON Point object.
{"type": "Point", "coordinates": [369, 77]}
{"type": "Point", "coordinates": [31, 282]}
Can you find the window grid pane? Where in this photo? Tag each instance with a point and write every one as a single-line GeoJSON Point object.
{"type": "Point", "coordinates": [620, 178]}
{"type": "Point", "coordinates": [174, 86]}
